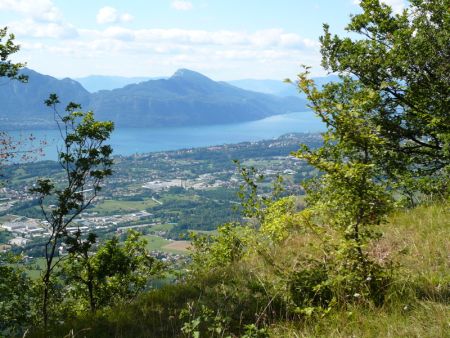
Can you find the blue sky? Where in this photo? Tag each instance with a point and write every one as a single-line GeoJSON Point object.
{"type": "Point", "coordinates": [223, 39]}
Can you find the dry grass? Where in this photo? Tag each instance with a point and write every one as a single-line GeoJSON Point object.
{"type": "Point", "coordinates": [425, 320]}
{"type": "Point", "coordinates": [182, 246]}
{"type": "Point", "coordinates": [418, 242]}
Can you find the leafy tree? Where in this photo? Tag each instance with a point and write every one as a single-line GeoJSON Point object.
{"type": "Point", "coordinates": [9, 147]}
{"type": "Point", "coordinates": [114, 272]}
{"type": "Point", "coordinates": [16, 288]}
{"type": "Point", "coordinates": [86, 161]}
{"type": "Point", "coordinates": [78, 270]}
{"type": "Point", "coordinates": [388, 129]}
{"type": "Point", "coordinates": [16, 297]}
{"type": "Point", "coordinates": [8, 68]}
{"type": "Point", "coordinates": [253, 202]}
{"type": "Point", "coordinates": [399, 71]}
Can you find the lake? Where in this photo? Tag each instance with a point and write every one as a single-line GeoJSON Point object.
{"type": "Point", "coordinates": [128, 141]}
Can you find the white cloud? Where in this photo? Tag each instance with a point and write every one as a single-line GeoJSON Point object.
{"type": "Point", "coordinates": [118, 33]}
{"type": "Point", "coordinates": [271, 38]}
{"type": "Point", "coordinates": [219, 53]}
{"type": "Point", "coordinates": [397, 5]}
{"type": "Point", "coordinates": [54, 30]}
{"type": "Point", "coordinates": [107, 15]}
{"type": "Point", "coordinates": [40, 19]}
{"type": "Point", "coordinates": [110, 15]}
{"type": "Point", "coordinates": [39, 10]}
{"type": "Point", "coordinates": [181, 5]}
{"type": "Point", "coordinates": [126, 17]}
{"type": "Point", "coordinates": [162, 51]}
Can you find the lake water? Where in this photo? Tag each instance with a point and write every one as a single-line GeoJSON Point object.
{"type": "Point", "coordinates": [128, 141]}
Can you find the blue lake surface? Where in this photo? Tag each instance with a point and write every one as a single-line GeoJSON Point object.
{"type": "Point", "coordinates": [128, 141]}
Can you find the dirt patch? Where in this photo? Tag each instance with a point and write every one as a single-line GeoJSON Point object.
{"type": "Point", "coordinates": [4, 247]}
{"type": "Point", "coordinates": [178, 245]}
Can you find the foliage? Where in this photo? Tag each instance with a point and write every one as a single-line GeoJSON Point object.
{"type": "Point", "coordinates": [385, 133]}
{"type": "Point", "coordinates": [17, 294]}
{"type": "Point", "coordinates": [253, 202]}
{"type": "Point", "coordinates": [16, 297]}
{"type": "Point", "coordinates": [395, 80]}
{"type": "Point", "coordinates": [114, 273]}
{"type": "Point", "coordinates": [203, 323]}
{"type": "Point", "coordinates": [9, 147]}
{"type": "Point", "coordinates": [212, 252]}
{"type": "Point", "coordinates": [344, 204]}
{"type": "Point", "coordinates": [9, 69]}
{"type": "Point", "coordinates": [280, 219]}
{"type": "Point", "coordinates": [416, 304]}
{"type": "Point", "coordinates": [86, 162]}
{"type": "Point", "coordinates": [388, 132]}
{"type": "Point", "coordinates": [265, 215]}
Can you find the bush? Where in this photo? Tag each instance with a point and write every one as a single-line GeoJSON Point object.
{"type": "Point", "coordinates": [308, 287]}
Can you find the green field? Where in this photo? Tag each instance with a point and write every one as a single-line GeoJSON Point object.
{"type": "Point", "coordinates": [155, 242]}
{"type": "Point", "coordinates": [112, 206]}
{"type": "Point", "coordinates": [161, 227]}
{"type": "Point", "coordinates": [205, 232]}
{"type": "Point", "coordinates": [159, 243]}
{"type": "Point", "coordinates": [35, 267]}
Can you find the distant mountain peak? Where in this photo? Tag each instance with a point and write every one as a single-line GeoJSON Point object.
{"type": "Point", "coordinates": [188, 98]}
{"type": "Point", "coordinates": [184, 73]}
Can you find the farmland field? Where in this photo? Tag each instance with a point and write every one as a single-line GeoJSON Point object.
{"type": "Point", "coordinates": [111, 206]}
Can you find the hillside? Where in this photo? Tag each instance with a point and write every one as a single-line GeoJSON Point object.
{"type": "Point", "coordinates": [95, 83]}
{"type": "Point", "coordinates": [417, 304]}
{"type": "Point", "coordinates": [185, 99]}
{"type": "Point", "coordinates": [22, 104]}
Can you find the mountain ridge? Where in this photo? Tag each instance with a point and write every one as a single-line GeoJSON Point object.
{"type": "Point", "coordinates": [187, 98]}
{"type": "Point", "coordinates": [95, 83]}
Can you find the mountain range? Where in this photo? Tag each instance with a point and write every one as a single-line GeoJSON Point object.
{"type": "Point", "coordinates": [95, 83]}
{"type": "Point", "coordinates": [187, 98]}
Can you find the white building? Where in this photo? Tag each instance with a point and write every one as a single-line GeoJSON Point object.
{"type": "Point", "coordinates": [19, 241]}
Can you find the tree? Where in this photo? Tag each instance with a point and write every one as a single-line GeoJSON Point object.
{"type": "Point", "coordinates": [388, 130]}
{"type": "Point", "coordinates": [8, 68]}
{"type": "Point", "coordinates": [114, 272]}
{"type": "Point", "coordinates": [346, 202]}
{"type": "Point", "coordinates": [86, 162]}
{"type": "Point", "coordinates": [79, 269]}
{"type": "Point", "coordinates": [16, 297]}
{"type": "Point", "coordinates": [10, 147]}
{"type": "Point", "coordinates": [401, 63]}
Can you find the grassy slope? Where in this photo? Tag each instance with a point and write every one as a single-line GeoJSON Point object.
{"type": "Point", "coordinates": [418, 241]}
{"type": "Point", "coordinates": [418, 304]}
